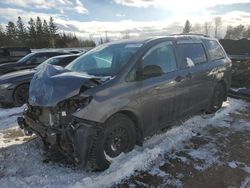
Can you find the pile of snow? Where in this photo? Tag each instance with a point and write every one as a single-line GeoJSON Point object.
{"type": "Point", "coordinates": [22, 166]}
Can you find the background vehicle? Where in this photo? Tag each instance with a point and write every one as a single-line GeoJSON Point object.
{"type": "Point", "coordinates": [12, 54]}
{"type": "Point", "coordinates": [114, 96]}
{"type": "Point", "coordinates": [237, 50]}
{"type": "Point", "coordinates": [29, 61]}
{"type": "Point", "coordinates": [14, 86]}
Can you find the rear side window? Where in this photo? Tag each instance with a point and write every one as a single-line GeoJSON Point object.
{"type": "Point", "coordinates": [214, 49]}
{"type": "Point", "coordinates": [163, 56]}
{"type": "Point", "coordinates": [192, 54]}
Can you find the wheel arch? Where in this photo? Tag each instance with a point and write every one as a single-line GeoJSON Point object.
{"type": "Point", "coordinates": [137, 122]}
{"type": "Point", "coordinates": [223, 83]}
{"type": "Point", "coordinates": [18, 86]}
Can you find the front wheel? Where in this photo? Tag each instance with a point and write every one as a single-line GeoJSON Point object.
{"type": "Point", "coordinates": [21, 95]}
{"type": "Point", "coordinates": [218, 98]}
{"type": "Point", "coordinates": [119, 136]}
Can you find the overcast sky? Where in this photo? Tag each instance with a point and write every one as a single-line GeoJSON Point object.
{"type": "Point", "coordinates": [137, 17]}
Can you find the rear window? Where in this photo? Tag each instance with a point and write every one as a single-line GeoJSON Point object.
{"type": "Point", "coordinates": [214, 49]}
{"type": "Point", "coordinates": [193, 52]}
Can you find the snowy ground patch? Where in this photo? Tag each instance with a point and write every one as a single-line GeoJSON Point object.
{"type": "Point", "coordinates": [22, 162]}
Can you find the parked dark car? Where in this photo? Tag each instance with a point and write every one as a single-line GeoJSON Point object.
{"type": "Point", "coordinates": [12, 54]}
{"type": "Point", "coordinates": [14, 86]}
{"type": "Point", "coordinates": [111, 98]}
{"type": "Point", "coordinates": [29, 61]}
{"type": "Point", "coordinates": [237, 50]}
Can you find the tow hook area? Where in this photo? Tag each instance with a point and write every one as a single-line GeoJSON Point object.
{"type": "Point", "coordinates": [23, 126]}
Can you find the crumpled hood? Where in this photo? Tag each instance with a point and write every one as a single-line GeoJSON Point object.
{"type": "Point", "coordinates": [53, 84]}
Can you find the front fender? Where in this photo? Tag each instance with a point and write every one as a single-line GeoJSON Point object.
{"type": "Point", "coordinates": [101, 111]}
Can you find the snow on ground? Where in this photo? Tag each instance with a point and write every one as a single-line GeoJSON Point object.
{"type": "Point", "coordinates": [8, 117]}
{"type": "Point", "coordinates": [22, 162]}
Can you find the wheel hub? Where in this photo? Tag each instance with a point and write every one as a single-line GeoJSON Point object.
{"type": "Point", "coordinates": [116, 142]}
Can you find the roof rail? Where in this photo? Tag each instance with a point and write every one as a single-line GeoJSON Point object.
{"type": "Point", "coordinates": [191, 34]}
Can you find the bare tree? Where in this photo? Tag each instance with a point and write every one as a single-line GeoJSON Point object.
{"type": "Point", "coordinates": [101, 41]}
{"type": "Point", "coordinates": [217, 25]}
{"type": "Point", "coordinates": [1, 29]}
{"type": "Point", "coordinates": [125, 34]}
{"type": "Point", "coordinates": [247, 33]}
{"type": "Point", "coordinates": [197, 28]}
{"type": "Point", "coordinates": [207, 27]}
{"type": "Point", "coordinates": [91, 36]}
{"type": "Point", "coordinates": [229, 32]}
{"type": "Point", "coordinates": [237, 32]}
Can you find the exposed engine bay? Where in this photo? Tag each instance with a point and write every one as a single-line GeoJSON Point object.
{"type": "Point", "coordinates": [50, 116]}
{"type": "Point", "coordinates": [60, 130]}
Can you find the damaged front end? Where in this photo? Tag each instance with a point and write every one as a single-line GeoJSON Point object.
{"type": "Point", "coordinates": [60, 130]}
{"type": "Point", "coordinates": [55, 124]}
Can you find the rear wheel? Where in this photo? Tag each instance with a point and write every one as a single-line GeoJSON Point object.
{"type": "Point", "coordinates": [21, 95]}
{"type": "Point", "coordinates": [218, 98]}
{"type": "Point", "coordinates": [119, 136]}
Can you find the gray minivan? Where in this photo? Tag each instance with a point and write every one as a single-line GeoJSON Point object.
{"type": "Point", "coordinates": [111, 98]}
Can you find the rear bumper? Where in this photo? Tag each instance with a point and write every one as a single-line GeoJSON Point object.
{"type": "Point", "coordinates": [74, 142]}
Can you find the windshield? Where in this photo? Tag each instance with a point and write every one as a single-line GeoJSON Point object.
{"type": "Point", "coordinates": [105, 60]}
{"type": "Point", "coordinates": [25, 58]}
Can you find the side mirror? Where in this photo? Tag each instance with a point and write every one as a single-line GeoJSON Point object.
{"type": "Point", "coordinates": [150, 71]}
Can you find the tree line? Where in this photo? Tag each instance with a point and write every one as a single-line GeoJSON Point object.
{"type": "Point", "coordinates": [214, 28]}
{"type": "Point", "coordinates": [39, 33]}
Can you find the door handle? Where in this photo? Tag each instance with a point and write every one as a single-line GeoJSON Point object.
{"type": "Point", "coordinates": [179, 78]}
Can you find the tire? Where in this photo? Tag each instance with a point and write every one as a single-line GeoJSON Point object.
{"type": "Point", "coordinates": [217, 99]}
{"type": "Point", "coordinates": [21, 95]}
{"type": "Point", "coordinates": [118, 136]}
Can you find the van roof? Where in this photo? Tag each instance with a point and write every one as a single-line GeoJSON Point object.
{"type": "Point", "coordinates": [144, 40]}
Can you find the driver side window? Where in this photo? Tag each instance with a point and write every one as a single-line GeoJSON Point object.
{"type": "Point", "coordinates": [160, 58]}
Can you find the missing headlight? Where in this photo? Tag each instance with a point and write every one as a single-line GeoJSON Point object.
{"type": "Point", "coordinates": [81, 102]}
{"type": "Point", "coordinates": [74, 104]}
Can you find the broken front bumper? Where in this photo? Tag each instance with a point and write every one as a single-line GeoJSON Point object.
{"type": "Point", "coordinates": [74, 142]}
